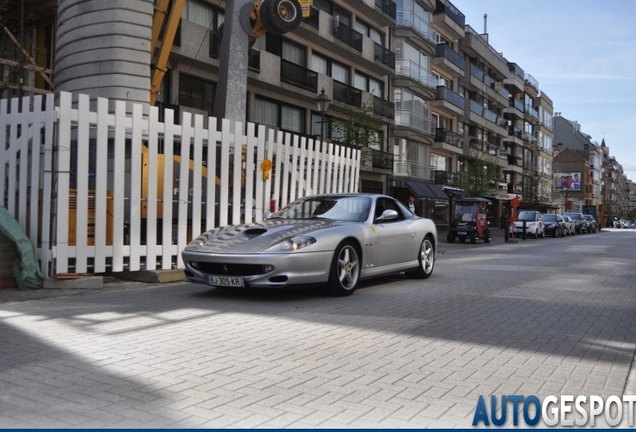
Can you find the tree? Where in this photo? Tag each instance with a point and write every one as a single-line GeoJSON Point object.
{"type": "Point", "coordinates": [480, 173]}
{"type": "Point", "coordinates": [360, 128]}
{"type": "Point", "coordinates": [536, 191]}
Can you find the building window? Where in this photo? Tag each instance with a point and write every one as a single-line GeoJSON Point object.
{"type": "Point", "coordinates": [368, 84]}
{"type": "Point", "coordinates": [279, 115]}
{"type": "Point", "coordinates": [375, 35]}
{"type": "Point", "coordinates": [440, 163]}
{"type": "Point", "coordinates": [202, 14]}
{"type": "Point", "coordinates": [196, 93]}
{"type": "Point", "coordinates": [332, 68]}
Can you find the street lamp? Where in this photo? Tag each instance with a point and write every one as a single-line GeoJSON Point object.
{"type": "Point", "coordinates": [322, 102]}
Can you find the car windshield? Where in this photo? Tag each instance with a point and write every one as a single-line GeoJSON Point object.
{"type": "Point", "coordinates": [575, 216]}
{"type": "Point", "coordinates": [527, 216]}
{"type": "Point", "coordinates": [346, 208]}
{"type": "Point", "coordinates": [549, 218]}
{"type": "Point", "coordinates": [588, 217]}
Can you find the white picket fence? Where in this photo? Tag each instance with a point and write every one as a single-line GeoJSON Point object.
{"type": "Point", "coordinates": [87, 187]}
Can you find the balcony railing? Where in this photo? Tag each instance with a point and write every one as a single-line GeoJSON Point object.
{"type": "Point", "coordinates": [446, 178]}
{"type": "Point", "coordinates": [415, 120]}
{"type": "Point", "coordinates": [448, 137]}
{"type": "Point", "coordinates": [386, 6]}
{"type": "Point", "coordinates": [526, 136]}
{"type": "Point", "coordinates": [445, 51]}
{"type": "Point", "coordinates": [408, 18]}
{"type": "Point", "coordinates": [483, 41]}
{"type": "Point", "coordinates": [385, 55]}
{"type": "Point", "coordinates": [444, 6]}
{"type": "Point", "coordinates": [514, 68]}
{"type": "Point", "coordinates": [414, 71]}
{"type": "Point", "coordinates": [533, 112]}
{"type": "Point", "coordinates": [254, 60]}
{"type": "Point", "coordinates": [499, 88]}
{"type": "Point", "coordinates": [346, 94]}
{"type": "Point", "coordinates": [383, 107]}
{"type": "Point", "coordinates": [313, 18]}
{"type": "Point", "coordinates": [349, 36]}
{"type": "Point", "coordinates": [382, 160]}
{"type": "Point", "coordinates": [476, 107]}
{"type": "Point", "coordinates": [413, 169]}
{"type": "Point", "coordinates": [515, 132]}
{"type": "Point", "coordinates": [476, 72]}
{"type": "Point", "coordinates": [446, 94]}
{"type": "Point", "coordinates": [299, 76]}
{"type": "Point", "coordinates": [489, 81]}
{"type": "Point", "coordinates": [489, 115]}
{"type": "Point", "coordinates": [529, 80]}
{"type": "Point", "coordinates": [518, 104]}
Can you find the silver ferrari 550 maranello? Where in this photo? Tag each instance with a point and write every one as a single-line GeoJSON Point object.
{"type": "Point", "coordinates": [330, 240]}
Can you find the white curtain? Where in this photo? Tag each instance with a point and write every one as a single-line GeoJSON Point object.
{"type": "Point", "coordinates": [340, 72]}
{"type": "Point", "coordinates": [292, 119]}
{"type": "Point", "coordinates": [294, 54]}
{"type": "Point", "coordinates": [266, 112]}
{"type": "Point", "coordinates": [198, 13]}
{"type": "Point", "coordinates": [319, 64]}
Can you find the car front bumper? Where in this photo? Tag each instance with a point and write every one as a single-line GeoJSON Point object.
{"type": "Point", "coordinates": [288, 268]}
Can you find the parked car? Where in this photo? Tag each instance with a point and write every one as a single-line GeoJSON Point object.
{"type": "Point", "coordinates": [580, 224]}
{"type": "Point", "coordinates": [591, 223]}
{"type": "Point", "coordinates": [332, 240]}
{"type": "Point", "coordinates": [570, 225]}
{"type": "Point", "coordinates": [629, 223]}
{"type": "Point", "coordinates": [534, 224]}
{"type": "Point", "coordinates": [554, 224]}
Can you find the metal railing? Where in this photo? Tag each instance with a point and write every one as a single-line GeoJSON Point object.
{"type": "Point", "coordinates": [346, 94]}
{"type": "Point", "coordinates": [384, 55]}
{"type": "Point", "coordinates": [446, 178]}
{"type": "Point", "coordinates": [415, 120]}
{"type": "Point", "coordinates": [314, 17]}
{"type": "Point", "coordinates": [445, 51]}
{"type": "Point", "coordinates": [414, 71]}
{"type": "Point", "coordinates": [386, 6]}
{"type": "Point", "coordinates": [448, 137]}
{"type": "Point", "coordinates": [382, 160]}
{"type": "Point", "coordinates": [445, 6]}
{"type": "Point", "coordinates": [529, 79]}
{"type": "Point", "coordinates": [518, 104]}
{"type": "Point", "coordinates": [299, 76]}
{"type": "Point", "coordinates": [383, 107]}
{"type": "Point", "coordinates": [444, 93]}
{"type": "Point", "coordinates": [413, 169]}
{"type": "Point", "coordinates": [409, 18]}
{"type": "Point", "coordinates": [530, 110]}
{"type": "Point", "coordinates": [351, 37]}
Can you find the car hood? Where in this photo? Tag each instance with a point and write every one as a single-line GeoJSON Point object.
{"type": "Point", "coordinates": [256, 237]}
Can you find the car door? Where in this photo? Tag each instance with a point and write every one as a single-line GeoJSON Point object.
{"type": "Point", "coordinates": [397, 237]}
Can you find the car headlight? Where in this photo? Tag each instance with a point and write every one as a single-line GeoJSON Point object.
{"type": "Point", "coordinates": [196, 244]}
{"type": "Point", "coordinates": [291, 244]}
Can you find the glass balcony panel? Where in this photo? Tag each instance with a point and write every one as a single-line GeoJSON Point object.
{"type": "Point", "coordinates": [444, 93]}
{"type": "Point", "coordinates": [414, 71]}
{"type": "Point", "coordinates": [413, 169]}
{"type": "Point", "coordinates": [384, 55]}
{"type": "Point", "coordinates": [476, 107]}
{"type": "Point", "coordinates": [299, 76]}
{"type": "Point", "coordinates": [445, 51]}
{"type": "Point", "coordinates": [415, 120]}
{"type": "Point", "coordinates": [419, 25]}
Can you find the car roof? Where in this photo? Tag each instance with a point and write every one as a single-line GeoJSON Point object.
{"type": "Point", "coordinates": [472, 200]}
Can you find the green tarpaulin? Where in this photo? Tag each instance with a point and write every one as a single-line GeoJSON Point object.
{"type": "Point", "coordinates": [26, 268]}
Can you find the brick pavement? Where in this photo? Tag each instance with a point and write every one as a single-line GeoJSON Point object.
{"type": "Point", "coordinates": [547, 316]}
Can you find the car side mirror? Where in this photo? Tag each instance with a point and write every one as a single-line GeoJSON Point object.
{"type": "Point", "coordinates": [387, 215]}
{"type": "Point", "coordinates": [267, 214]}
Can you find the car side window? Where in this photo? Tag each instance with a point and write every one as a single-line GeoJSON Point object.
{"type": "Point", "coordinates": [383, 204]}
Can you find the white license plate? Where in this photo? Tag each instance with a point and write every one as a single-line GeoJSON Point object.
{"type": "Point", "coordinates": [461, 233]}
{"type": "Point", "coordinates": [225, 281]}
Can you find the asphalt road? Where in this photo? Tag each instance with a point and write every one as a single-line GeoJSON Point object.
{"type": "Point", "coordinates": [537, 317]}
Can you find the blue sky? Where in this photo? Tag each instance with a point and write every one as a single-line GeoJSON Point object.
{"type": "Point", "coordinates": [582, 53]}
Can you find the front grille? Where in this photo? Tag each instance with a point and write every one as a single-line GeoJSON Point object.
{"type": "Point", "coordinates": [230, 269]}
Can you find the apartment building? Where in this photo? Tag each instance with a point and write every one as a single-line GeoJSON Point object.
{"type": "Point", "coordinates": [568, 134]}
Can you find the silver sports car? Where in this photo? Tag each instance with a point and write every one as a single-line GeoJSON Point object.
{"type": "Point", "coordinates": [331, 240]}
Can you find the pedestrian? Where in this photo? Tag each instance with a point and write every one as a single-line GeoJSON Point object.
{"type": "Point", "coordinates": [411, 205]}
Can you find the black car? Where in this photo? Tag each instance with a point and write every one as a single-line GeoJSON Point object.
{"type": "Point", "coordinates": [579, 221]}
{"type": "Point", "coordinates": [591, 223]}
{"type": "Point", "coordinates": [554, 225]}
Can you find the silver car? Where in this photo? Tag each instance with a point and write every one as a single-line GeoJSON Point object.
{"type": "Point", "coordinates": [331, 240]}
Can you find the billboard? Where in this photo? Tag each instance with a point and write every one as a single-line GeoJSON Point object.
{"type": "Point", "coordinates": [567, 181]}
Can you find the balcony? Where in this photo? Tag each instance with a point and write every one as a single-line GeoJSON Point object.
{"type": "Point", "coordinates": [514, 132]}
{"type": "Point", "coordinates": [477, 108]}
{"type": "Point", "coordinates": [414, 71]}
{"type": "Point", "coordinates": [298, 76]}
{"type": "Point", "coordinates": [254, 60]}
{"type": "Point", "coordinates": [449, 141]}
{"type": "Point", "coordinates": [413, 169]}
{"type": "Point", "coordinates": [446, 178]}
{"type": "Point", "coordinates": [476, 72]}
{"type": "Point", "coordinates": [346, 94]}
{"type": "Point", "coordinates": [351, 37]}
{"type": "Point", "coordinates": [415, 121]}
{"type": "Point", "coordinates": [477, 47]}
{"type": "Point", "coordinates": [446, 52]}
{"type": "Point", "coordinates": [313, 18]}
{"type": "Point", "coordinates": [532, 112]}
{"type": "Point", "coordinates": [383, 107]}
{"type": "Point", "coordinates": [447, 94]}
{"type": "Point", "coordinates": [518, 104]}
{"type": "Point", "coordinates": [491, 116]}
{"type": "Point", "coordinates": [422, 27]}
{"type": "Point", "coordinates": [446, 7]}
{"type": "Point", "coordinates": [382, 160]}
{"type": "Point", "coordinates": [384, 55]}
{"type": "Point", "coordinates": [501, 90]}
{"type": "Point", "coordinates": [386, 6]}
{"type": "Point", "coordinates": [531, 82]}
{"type": "Point", "coordinates": [526, 136]}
